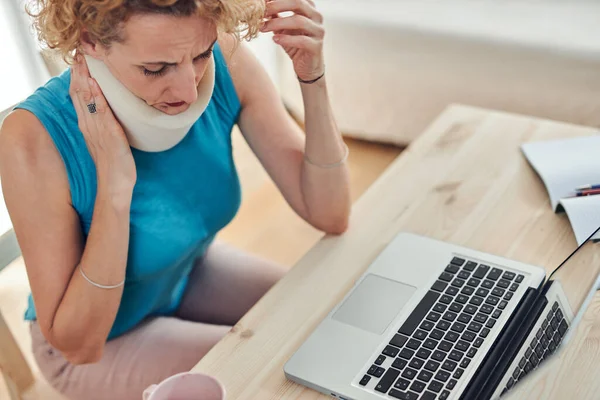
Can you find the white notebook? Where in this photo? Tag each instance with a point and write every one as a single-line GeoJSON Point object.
{"type": "Point", "coordinates": [564, 165]}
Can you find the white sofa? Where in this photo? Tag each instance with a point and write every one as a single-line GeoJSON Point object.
{"type": "Point", "coordinates": [394, 65]}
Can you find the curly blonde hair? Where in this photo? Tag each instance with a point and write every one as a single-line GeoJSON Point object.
{"type": "Point", "coordinates": [60, 23]}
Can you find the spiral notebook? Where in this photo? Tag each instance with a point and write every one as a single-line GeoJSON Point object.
{"type": "Point", "coordinates": [563, 166]}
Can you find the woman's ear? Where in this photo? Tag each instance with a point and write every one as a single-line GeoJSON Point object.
{"type": "Point", "coordinates": [91, 47]}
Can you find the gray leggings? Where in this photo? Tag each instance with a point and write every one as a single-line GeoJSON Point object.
{"type": "Point", "coordinates": [223, 287]}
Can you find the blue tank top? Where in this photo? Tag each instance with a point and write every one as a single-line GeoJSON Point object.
{"type": "Point", "coordinates": [183, 196]}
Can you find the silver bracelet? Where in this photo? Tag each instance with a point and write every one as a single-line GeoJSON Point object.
{"type": "Point", "coordinates": [333, 165]}
{"type": "Point", "coordinates": [97, 284]}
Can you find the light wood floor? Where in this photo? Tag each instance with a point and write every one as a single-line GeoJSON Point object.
{"type": "Point", "coordinates": [265, 225]}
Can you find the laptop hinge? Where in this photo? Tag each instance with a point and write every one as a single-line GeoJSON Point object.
{"type": "Point", "coordinates": [506, 346]}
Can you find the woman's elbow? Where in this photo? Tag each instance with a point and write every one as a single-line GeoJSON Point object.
{"type": "Point", "coordinates": [334, 226]}
{"type": "Point", "coordinates": [76, 354]}
{"type": "Point", "coordinates": [338, 229]}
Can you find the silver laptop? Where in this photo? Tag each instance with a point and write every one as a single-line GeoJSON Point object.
{"type": "Point", "coordinates": [431, 320]}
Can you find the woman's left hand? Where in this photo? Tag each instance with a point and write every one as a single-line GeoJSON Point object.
{"type": "Point", "coordinates": [300, 35]}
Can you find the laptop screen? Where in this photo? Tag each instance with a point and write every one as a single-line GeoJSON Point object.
{"type": "Point", "coordinates": [578, 278]}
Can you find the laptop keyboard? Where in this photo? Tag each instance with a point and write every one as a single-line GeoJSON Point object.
{"type": "Point", "coordinates": [546, 340]}
{"type": "Point", "coordinates": [436, 343]}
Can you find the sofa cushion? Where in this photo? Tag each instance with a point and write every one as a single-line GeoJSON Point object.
{"type": "Point", "coordinates": [393, 66]}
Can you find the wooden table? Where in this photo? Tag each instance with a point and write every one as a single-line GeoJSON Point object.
{"type": "Point", "coordinates": [465, 181]}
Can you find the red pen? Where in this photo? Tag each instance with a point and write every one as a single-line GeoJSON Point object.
{"type": "Point", "coordinates": [582, 193]}
{"type": "Point", "coordinates": [588, 192]}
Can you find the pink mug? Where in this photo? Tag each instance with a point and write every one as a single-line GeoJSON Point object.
{"type": "Point", "coordinates": [186, 386]}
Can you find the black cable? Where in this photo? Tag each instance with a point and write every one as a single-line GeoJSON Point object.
{"type": "Point", "coordinates": [573, 253]}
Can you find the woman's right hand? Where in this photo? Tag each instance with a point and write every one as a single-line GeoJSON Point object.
{"type": "Point", "coordinates": [104, 136]}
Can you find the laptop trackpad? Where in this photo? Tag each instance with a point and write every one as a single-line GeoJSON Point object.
{"type": "Point", "coordinates": [374, 304]}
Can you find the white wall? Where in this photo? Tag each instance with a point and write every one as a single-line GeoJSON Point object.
{"type": "Point", "coordinates": [21, 68]}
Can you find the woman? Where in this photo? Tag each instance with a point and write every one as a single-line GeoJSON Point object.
{"type": "Point", "coordinates": [128, 285]}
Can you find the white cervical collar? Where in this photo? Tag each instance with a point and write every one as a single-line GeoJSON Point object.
{"type": "Point", "coordinates": [147, 128]}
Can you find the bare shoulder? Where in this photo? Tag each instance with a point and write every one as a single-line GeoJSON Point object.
{"type": "Point", "coordinates": [232, 49]}
{"type": "Point", "coordinates": [27, 153]}
{"type": "Point", "coordinates": [22, 134]}
{"type": "Point", "coordinates": [246, 70]}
